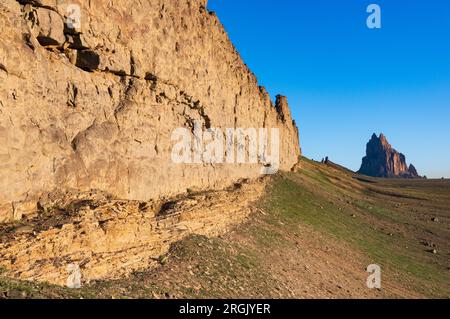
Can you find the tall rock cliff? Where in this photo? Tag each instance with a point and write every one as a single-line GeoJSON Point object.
{"type": "Point", "coordinates": [92, 105]}
{"type": "Point", "coordinates": [382, 160]}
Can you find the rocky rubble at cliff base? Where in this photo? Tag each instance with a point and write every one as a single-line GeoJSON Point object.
{"type": "Point", "coordinates": [106, 238]}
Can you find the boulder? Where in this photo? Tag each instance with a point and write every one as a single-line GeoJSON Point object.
{"type": "Point", "coordinates": [50, 27]}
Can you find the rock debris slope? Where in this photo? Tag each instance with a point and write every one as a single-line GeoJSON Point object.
{"type": "Point", "coordinates": [110, 239]}
{"type": "Point", "coordinates": [92, 107]}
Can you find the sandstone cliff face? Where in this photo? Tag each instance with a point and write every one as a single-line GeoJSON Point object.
{"type": "Point", "coordinates": [93, 106]}
{"type": "Point", "coordinates": [382, 160]}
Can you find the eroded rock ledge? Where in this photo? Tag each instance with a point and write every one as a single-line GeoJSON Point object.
{"type": "Point", "coordinates": [110, 239]}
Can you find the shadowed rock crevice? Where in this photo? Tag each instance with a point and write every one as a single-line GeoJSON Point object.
{"type": "Point", "coordinates": [87, 60]}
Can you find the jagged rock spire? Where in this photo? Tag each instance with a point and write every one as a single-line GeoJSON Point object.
{"type": "Point", "coordinates": [382, 160]}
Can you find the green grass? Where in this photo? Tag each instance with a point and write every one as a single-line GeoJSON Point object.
{"type": "Point", "coordinates": [365, 216]}
{"type": "Point", "coordinates": [308, 197]}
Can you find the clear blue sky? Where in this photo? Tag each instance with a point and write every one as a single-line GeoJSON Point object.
{"type": "Point", "coordinates": [345, 81]}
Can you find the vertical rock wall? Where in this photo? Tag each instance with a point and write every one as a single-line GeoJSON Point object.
{"type": "Point", "coordinates": [93, 106]}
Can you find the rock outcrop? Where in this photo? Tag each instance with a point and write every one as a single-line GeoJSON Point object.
{"type": "Point", "coordinates": [106, 239]}
{"type": "Point", "coordinates": [382, 160]}
{"type": "Point", "coordinates": [91, 106]}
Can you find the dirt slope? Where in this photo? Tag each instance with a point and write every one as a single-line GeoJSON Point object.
{"type": "Point", "coordinates": [311, 236]}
